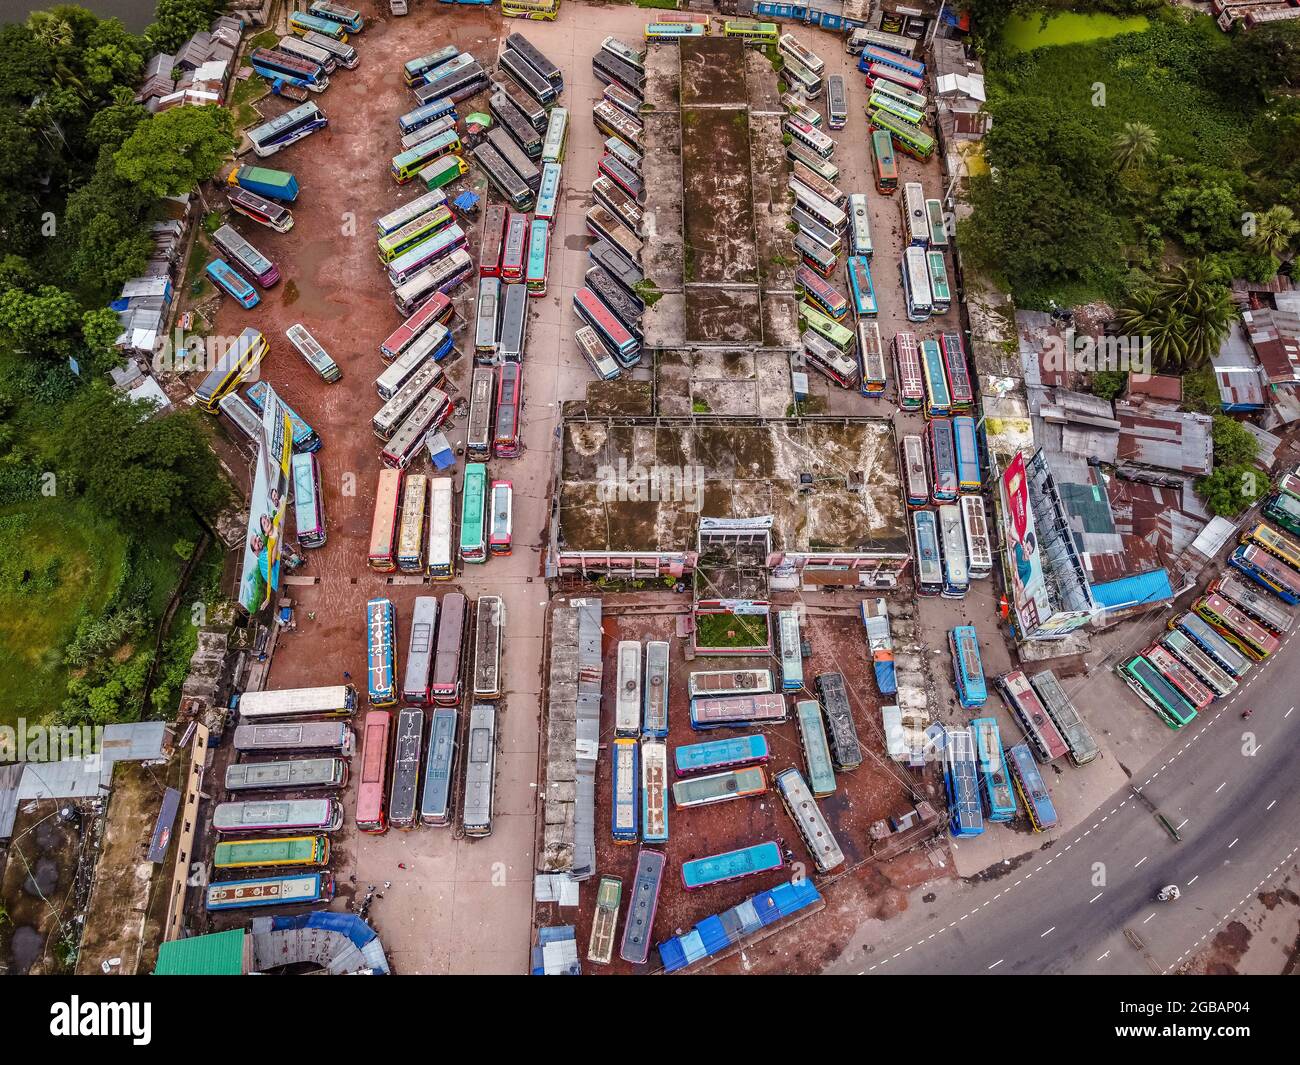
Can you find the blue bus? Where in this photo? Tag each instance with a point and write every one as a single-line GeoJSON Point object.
{"type": "Point", "coordinates": [430, 112]}
{"type": "Point", "coordinates": [719, 868]}
{"type": "Point", "coordinates": [965, 812]}
{"type": "Point", "coordinates": [304, 436]}
{"type": "Point", "coordinates": [270, 891]}
{"type": "Point", "coordinates": [1267, 571]}
{"type": "Point", "coordinates": [308, 513]}
{"type": "Point", "coordinates": [301, 24]}
{"type": "Point", "coordinates": [347, 17]}
{"type": "Point", "coordinates": [995, 783]}
{"type": "Point", "coordinates": [943, 460]}
{"type": "Point", "coordinates": [548, 193]}
{"type": "Point", "coordinates": [886, 58]}
{"type": "Point", "coordinates": [938, 399]}
{"type": "Point", "coordinates": [929, 569]}
{"type": "Point", "coordinates": [381, 645]}
{"type": "Point", "coordinates": [1221, 652]}
{"type": "Point", "coordinates": [816, 748]}
{"type": "Point", "coordinates": [1033, 792]}
{"type": "Point", "coordinates": [439, 768]}
{"type": "Point", "coordinates": [229, 281]}
{"type": "Point", "coordinates": [787, 623]}
{"type": "Point", "coordinates": [862, 291]}
{"type": "Point", "coordinates": [967, 669]}
{"type": "Point", "coordinates": [968, 454]}
{"type": "Point", "coordinates": [623, 789]}
{"type": "Point", "coordinates": [713, 755]}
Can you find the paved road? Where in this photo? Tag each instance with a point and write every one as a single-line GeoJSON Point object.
{"type": "Point", "coordinates": [1084, 904]}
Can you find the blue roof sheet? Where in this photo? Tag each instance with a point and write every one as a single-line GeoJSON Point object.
{"type": "Point", "coordinates": [1150, 587]}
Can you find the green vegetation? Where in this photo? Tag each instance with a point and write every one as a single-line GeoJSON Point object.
{"type": "Point", "coordinates": [731, 630]}
{"type": "Point", "coordinates": [1235, 483]}
{"type": "Point", "coordinates": [648, 291]}
{"type": "Point", "coordinates": [699, 406]}
{"type": "Point", "coordinates": [663, 5]}
{"type": "Point", "coordinates": [96, 493]}
{"type": "Point", "coordinates": [1118, 157]}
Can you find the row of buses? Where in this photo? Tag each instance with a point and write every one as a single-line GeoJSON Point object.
{"type": "Point", "coordinates": [951, 547]}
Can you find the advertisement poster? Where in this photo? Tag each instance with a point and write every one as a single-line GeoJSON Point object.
{"type": "Point", "coordinates": [268, 506]}
{"type": "Point", "coordinates": [1028, 586]}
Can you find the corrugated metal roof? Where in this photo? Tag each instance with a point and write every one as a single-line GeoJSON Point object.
{"type": "Point", "coordinates": [218, 954]}
{"type": "Point", "coordinates": [1140, 589]}
{"type": "Point", "coordinates": [1165, 439]}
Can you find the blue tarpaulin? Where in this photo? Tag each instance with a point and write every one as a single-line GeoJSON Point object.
{"type": "Point", "coordinates": [1140, 589]}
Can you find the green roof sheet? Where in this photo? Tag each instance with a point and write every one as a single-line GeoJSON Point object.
{"type": "Point", "coordinates": [218, 954]}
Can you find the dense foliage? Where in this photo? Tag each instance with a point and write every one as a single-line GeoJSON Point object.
{"type": "Point", "coordinates": [94, 490]}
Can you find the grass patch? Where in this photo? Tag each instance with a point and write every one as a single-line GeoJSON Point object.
{"type": "Point", "coordinates": [248, 90]}
{"type": "Point", "coordinates": [265, 39]}
{"type": "Point", "coordinates": [698, 406]}
{"type": "Point", "coordinates": [662, 5]}
{"type": "Point", "coordinates": [61, 561]}
{"type": "Point", "coordinates": [1025, 32]}
{"type": "Point", "coordinates": [648, 291]}
{"type": "Point", "coordinates": [731, 630]}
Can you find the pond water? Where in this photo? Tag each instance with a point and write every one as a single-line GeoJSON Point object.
{"type": "Point", "coordinates": [1024, 33]}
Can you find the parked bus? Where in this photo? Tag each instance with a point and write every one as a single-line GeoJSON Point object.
{"type": "Point", "coordinates": [493, 239]}
{"type": "Point", "coordinates": [445, 689]}
{"type": "Point", "coordinates": [862, 291]}
{"type": "Point", "coordinates": [236, 363]}
{"type": "Point", "coordinates": [420, 649]}
{"type": "Point", "coordinates": [488, 623]}
{"type": "Point", "coordinates": [294, 890]}
{"type": "Point", "coordinates": [410, 435]}
{"type": "Point", "coordinates": [860, 226]}
{"type": "Point", "coordinates": [432, 345]}
{"type": "Point", "coordinates": [473, 514]}
{"type": "Point", "coordinates": [308, 507]}
{"type": "Point", "coordinates": [880, 74]}
{"type": "Point", "coordinates": [961, 783]}
{"type": "Point", "coordinates": [515, 254]}
{"type": "Point", "coordinates": [502, 517]}
{"type": "Point", "coordinates": [994, 782]}
{"type": "Point", "coordinates": [621, 175]}
{"type": "Point", "coordinates": [943, 460]}
{"type": "Point", "coordinates": [1207, 671]}
{"type": "Point", "coordinates": [310, 349]}
{"type": "Point", "coordinates": [265, 213]}
{"type": "Point", "coordinates": [818, 164]}
{"type": "Point", "coordinates": [516, 158]}
{"type": "Point", "coordinates": [349, 18]}
{"type": "Point", "coordinates": [408, 212]}
{"type": "Point", "coordinates": [628, 700]}
{"type": "Point", "coordinates": [557, 135]}
{"type": "Point", "coordinates": [916, 480]}
{"type": "Point", "coordinates": [345, 54]}
{"type": "Point", "coordinates": [809, 136]}
{"type": "Point", "coordinates": [614, 122]}
{"type": "Point", "coordinates": [515, 66]}
{"type": "Point", "coordinates": [424, 254]}
{"type": "Point", "coordinates": [1253, 604]}
{"type": "Point", "coordinates": [478, 439]}
{"type": "Point", "coordinates": [871, 358]}
{"type": "Point", "coordinates": [439, 557]}
{"type": "Point", "coordinates": [614, 199]}
{"type": "Point", "coordinates": [232, 283]}
{"type": "Point", "coordinates": [1267, 571]}
{"type": "Point", "coordinates": [487, 318]}
{"type": "Point", "coordinates": [858, 39]}
{"type": "Point", "coordinates": [915, 101]}
{"type": "Point", "coordinates": [506, 434]}
{"type": "Point", "coordinates": [1233, 625]}
{"type": "Point", "coordinates": [535, 273]}
{"type": "Point", "coordinates": [837, 102]}
{"type": "Point", "coordinates": [639, 923]}
{"type": "Point", "coordinates": [1224, 655]}
{"type": "Point", "coordinates": [480, 771]}
{"type": "Point", "coordinates": [952, 543]}
{"type": "Point", "coordinates": [1023, 702]}
{"type": "Point", "coordinates": [611, 70]}
{"type": "Point", "coordinates": [673, 32]}
{"type": "Point", "coordinates": [1282, 508]}
{"type": "Point", "coordinates": [276, 65]}
{"type": "Point", "coordinates": [929, 570]}
{"type": "Point", "coordinates": [719, 787]}
{"type": "Point", "coordinates": [244, 255]}
{"type": "Point", "coordinates": [381, 641]}
{"type": "Point", "coordinates": [439, 769]}
{"type": "Point", "coordinates": [442, 277]}
{"type": "Point", "coordinates": [602, 225]}
{"type": "Point", "coordinates": [940, 293]}
{"type": "Point", "coordinates": [413, 233]}
{"type": "Point", "coordinates": [814, 255]}
{"type": "Point", "coordinates": [751, 32]}
{"type": "Point", "coordinates": [1154, 690]}
{"type": "Point", "coordinates": [616, 264]}
{"type": "Point", "coordinates": [737, 711]}
{"type": "Point", "coordinates": [291, 704]}
{"type": "Point", "coordinates": [791, 646]}
{"type": "Point", "coordinates": [967, 668]}
{"type": "Point", "coordinates": [714, 755]}
{"type": "Point", "coordinates": [278, 815]}
{"type": "Point", "coordinates": [509, 185]}
{"type": "Point", "coordinates": [442, 171]}
{"type": "Point", "coordinates": [625, 798]}
{"type": "Point", "coordinates": [613, 333]}
{"type": "Point", "coordinates": [833, 332]}
{"type": "Point", "coordinates": [884, 164]}
{"type": "Point", "coordinates": [720, 868]}
{"type": "Point", "coordinates": [304, 436]}
{"type": "Point", "coordinates": [907, 368]}
{"type": "Point", "coordinates": [979, 548]}
{"type": "Point", "coordinates": [821, 294]}
{"type": "Point", "coordinates": [886, 103]}
{"type": "Point", "coordinates": [889, 58]}
{"type": "Point", "coordinates": [302, 23]}
{"type": "Point", "coordinates": [295, 774]}
{"type": "Point", "coordinates": [816, 749]}
{"type": "Point", "coordinates": [956, 371]}
{"type": "Point", "coordinates": [915, 274]}
{"type": "Point", "coordinates": [1061, 709]}
{"type": "Point", "coordinates": [1177, 674]}
{"type": "Point", "coordinates": [414, 70]}
{"type": "Point", "coordinates": [846, 750]}
{"type": "Point", "coordinates": [912, 139]}
{"type": "Point", "coordinates": [538, 10]}
{"type": "Point", "coordinates": [519, 128]}
{"type": "Point", "coordinates": [808, 819]}
{"type": "Point", "coordinates": [405, 400]}
{"type": "Point", "coordinates": [548, 194]}
{"type": "Point", "coordinates": [967, 451]}
{"type": "Point", "coordinates": [285, 852]}
{"type": "Point", "coordinates": [286, 129]}
{"type": "Point", "coordinates": [729, 682]}
{"type": "Point", "coordinates": [457, 81]}
{"type": "Point", "coordinates": [1033, 792]}
{"type": "Point", "coordinates": [602, 363]}
{"type": "Point", "coordinates": [654, 792]}
{"type": "Point", "coordinates": [303, 736]}
{"type": "Point", "coordinates": [911, 208]}
{"type": "Point", "coordinates": [514, 327]}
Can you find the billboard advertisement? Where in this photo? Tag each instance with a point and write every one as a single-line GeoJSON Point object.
{"type": "Point", "coordinates": [268, 506]}
{"type": "Point", "coordinates": [1025, 563]}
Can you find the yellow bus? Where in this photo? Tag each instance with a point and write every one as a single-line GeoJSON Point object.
{"type": "Point", "coordinates": [538, 10]}
{"type": "Point", "coordinates": [269, 853]}
{"type": "Point", "coordinates": [751, 32]}
{"type": "Point", "coordinates": [231, 368]}
{"type": "Point", "coordinates": [1272, 541]}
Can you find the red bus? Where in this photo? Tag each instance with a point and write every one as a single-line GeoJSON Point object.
{"type": "Point", "coordinates": [445, 690]}
{"type": "Point", "coordinates": [510, 388]}
{"type": "Point", "coordinates": [437, 308]}
{"type": "Point", "coordinates": [374, 772]}
{"type": "Point", "coordinates": [502, 517]}
{"type": "Point", "coordinates": [494, 236]}
{"type": "Point", "coordinates": [515, 254]}
{"type": "Point", "coordinates": [383, 529]}
{"type": "Point", "coordinates": [907, 371]}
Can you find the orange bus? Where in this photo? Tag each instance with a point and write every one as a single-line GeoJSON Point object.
{"type": "Point", "coordinates": [374, 772]}
{"type": "Point", "coordinates": [383, 529]}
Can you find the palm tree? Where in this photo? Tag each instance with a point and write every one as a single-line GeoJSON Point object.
{"type": "Point", "coordinates": [1185, 314]}
{"type": "Point", "coordinates": [1133, 146]}
{"type": "Point", "coordinates": [1274, 231]}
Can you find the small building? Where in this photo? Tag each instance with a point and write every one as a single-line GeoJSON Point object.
{"type": "Point", "coordinates": [1157, 438]}
{"type": "Point", "coordinates": [228, 953]}
{"type": "Point", "coordinates": [1133, 595]}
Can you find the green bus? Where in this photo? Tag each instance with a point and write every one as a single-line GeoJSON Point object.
{"type": "Point", "coordinates": [1153, 689]}
{"type": "Point", "coordinates": [751, 32]}
{"type": "Point", "coordinates": [418, 229]}
{"type": "Point", "coordinates": [268, 853]}
{"type": "Point", "coordinates": [912, 139]}
{"type": "Point", "coordinates": [827, 328]}
{"type": "Point", "coordinates": [409, 163]}
{"type": "Point", "coordinates": [1283, 509]}
{"type": "Point", "coordinates": [473, 511]}
{"type": "Point", "coordinates": [443, 171]}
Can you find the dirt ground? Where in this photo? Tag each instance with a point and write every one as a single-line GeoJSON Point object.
{"type": "Point", "coordinates": [874, 791]}
{"type": "Point", "coordinates": [36, 891]}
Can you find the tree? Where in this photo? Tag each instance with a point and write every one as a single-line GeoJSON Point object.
{"type": "Point", "coordinates": [1229, 490]}
{"type": "Point", "coordinates": [1233, 443]}
{"type": "Point", "coordinates": [111, 126]}
{"type": "Point", "coordinates": [104, 227]}
{"type": "Point", "coordinates": [100, 329]}
{"type": "Point", "coordinates": [1274, 231]}
{"type": "Point", "coordinates": [1107, 384]}
{"type": "Point", "coordinates": [40, 322]}
{"type": "Point", "coordinates": [1133, 146]}
{"type": "Point", "coordinates": [139, 468]}
{"type": "Point", "coordinates": [177, 20]}
{"type": "Point", "coordinates": [1185, 313]}
{"type": "Point", "coordinates": [173, 151]}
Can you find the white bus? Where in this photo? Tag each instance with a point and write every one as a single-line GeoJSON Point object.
{"type": "Point", "coordinates": [405, 400]}
{"type": "Point", "coordinates": [399, 371]}
{"type": "Point", "coordinates": [309, 348]}
{"type": "Point", "coordinates": [441, 552]}
{"type": "Point", "coordinates": [301, 815]}
{"type": "Point", "coordinates": [809, 136]}
{"type": "Point", "coordinates": [860, 220]}
{"type": "Point", "coordinates": [338, 700]}
{"type": "Point", "coordinates": [419, 654]}
{"type": "Point", "coordinates": [916, 222]}
{"type": "Point", "coordinates": [979, 549]}
{"type": "Point", "coordinates": [915, 273]}
{"type": "Point", "coordinates": [802, 80]}
{"type": "Point", "coordinates": [488, 318]}
{"type": "Point", "coordinates": [789, 47]}
{"type": "Point", "coordinates": [480, 770]}
{"type": "Point", "coordinates": [443, 276]}
{"type": "Point", "coordinates": [408, 437]}
{"type": "Point", "coordinates": [627, 707]}
{"type": "Point", "coordinates": [818, 206]}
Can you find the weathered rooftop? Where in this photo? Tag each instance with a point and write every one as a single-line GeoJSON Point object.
{"type": "Point", "coordinates": [728, 470]}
